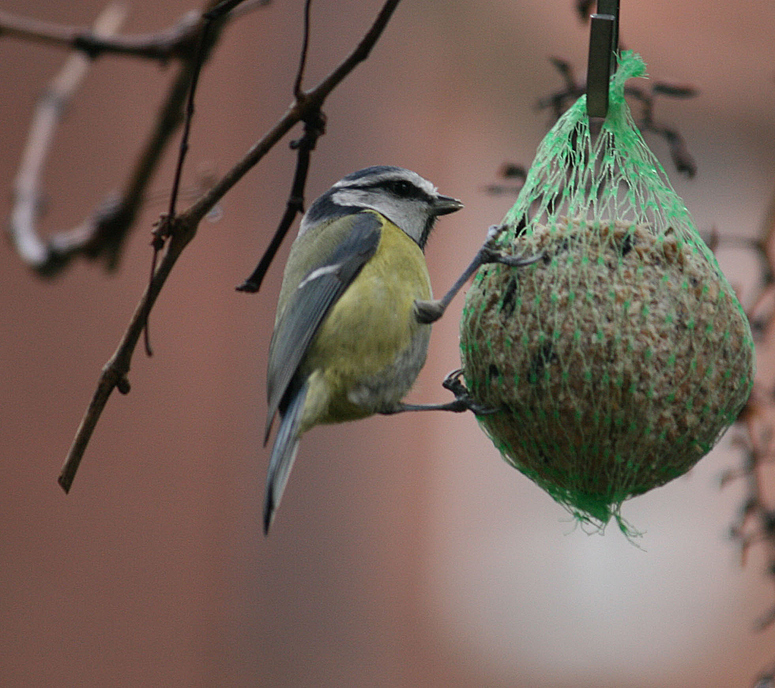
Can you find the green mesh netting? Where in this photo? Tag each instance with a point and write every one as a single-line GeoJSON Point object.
{"type": "Point", "coordinates": [621, 356]}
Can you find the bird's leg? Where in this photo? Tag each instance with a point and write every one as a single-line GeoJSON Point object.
{"type": "Point", "coordinates": [430, 311]}
{"type": "Point", "coordinates": [462, 402]}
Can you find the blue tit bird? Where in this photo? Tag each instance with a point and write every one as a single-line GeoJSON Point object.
{"type": "Point", "coordinates": [348, 341]}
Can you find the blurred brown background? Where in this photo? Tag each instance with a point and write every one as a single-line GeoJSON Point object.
{"type": "Point", "coordinates": [406, 553]}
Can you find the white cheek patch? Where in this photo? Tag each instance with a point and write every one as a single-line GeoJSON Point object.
{"type": "Point", "coordinates": [407, 214]}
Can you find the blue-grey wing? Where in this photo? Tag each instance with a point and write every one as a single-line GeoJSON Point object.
{"type": "Point", "coordinates": [313, 298]}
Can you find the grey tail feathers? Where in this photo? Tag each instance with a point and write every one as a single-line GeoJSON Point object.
{"type": "Point", "coordinates": [284, 450]}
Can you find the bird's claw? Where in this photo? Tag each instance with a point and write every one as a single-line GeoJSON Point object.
{"type": "Point", "coordinates": [491, 251]}
{"type": "Point", "coordinates": [490, 254]}
{"type": "Point", "coordinates": [463, 399]}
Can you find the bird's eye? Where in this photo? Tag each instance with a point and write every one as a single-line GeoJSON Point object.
{"type": "Point", "coordinates": [401, 188]}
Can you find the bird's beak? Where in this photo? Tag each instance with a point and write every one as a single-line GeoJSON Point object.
{"type": "Point", "coordinates": [443, 205]}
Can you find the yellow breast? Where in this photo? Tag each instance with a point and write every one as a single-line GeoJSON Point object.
{"type": "Point", "coordinates": [370, 347]}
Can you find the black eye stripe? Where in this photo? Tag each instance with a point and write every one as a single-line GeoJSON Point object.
{"type": "Point", "coordinates": [400, 188]}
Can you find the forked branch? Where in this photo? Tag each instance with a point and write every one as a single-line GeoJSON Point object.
{"type": "Point", "coordinates": [181, 229]}
{"type": "Point", "coordinates": [102, 233]}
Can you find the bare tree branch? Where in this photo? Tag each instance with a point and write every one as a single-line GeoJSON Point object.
{"type": "Point", "coordinates": [27, 191]}
{"type": "Point", "coordinates": [176, 41]}
{"type": "Point", "coordinates": [180, 230]}
{"type": "Point", "coordinates": [306, 103]}
{"type": "Point", "coordinates": [102, 233]}
{"type": "Point", "coordinates": [755, 521]}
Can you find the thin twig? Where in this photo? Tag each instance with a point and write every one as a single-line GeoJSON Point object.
{"type": "Point", "coordinates": [297, 84]}
{"type": "Point", "coordinates": [176, 41]}
{"type": "Point", "coordinates": [196, 68]}
{"type": "Point", "coordinates": [221, 8]}
{"type": "Point", "coordinates": [183, 229]}
{"type": "Point", "coordinates": [314, 127]}
{"type": "Point", "coordinates": [198, 59]}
